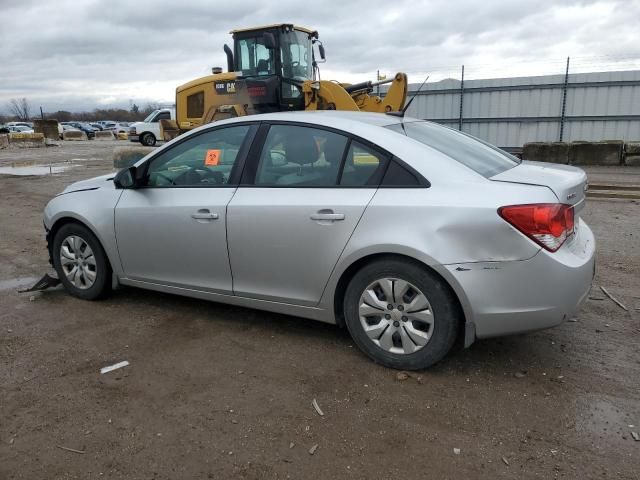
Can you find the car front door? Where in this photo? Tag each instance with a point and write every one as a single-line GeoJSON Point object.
{"type": "Point", "coordinates": [171, 229]}
{"type": "Point", "coordinates": [295, 210]}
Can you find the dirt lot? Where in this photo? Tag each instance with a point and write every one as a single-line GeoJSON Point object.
{"type": "Point", "coordinates": [215, 391]}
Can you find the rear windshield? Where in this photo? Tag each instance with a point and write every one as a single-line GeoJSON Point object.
{"type": "Point", "coordinates": [479, 156]}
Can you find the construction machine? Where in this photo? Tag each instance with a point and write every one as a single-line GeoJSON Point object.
{"type": "Point", "coordinates": [270, 69]}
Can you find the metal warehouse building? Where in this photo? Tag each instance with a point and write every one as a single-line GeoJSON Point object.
{"type": "Point", "coordinates": [509, 112]}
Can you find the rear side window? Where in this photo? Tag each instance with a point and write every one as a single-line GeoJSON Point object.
{"type": "Point", "coordinates": [479, 156]}
{"type": "Point", "coordinates": [399, 176]}
{"type": "Point", "coordinates": [295, 156]}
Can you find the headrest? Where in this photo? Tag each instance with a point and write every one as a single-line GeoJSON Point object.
{"type": "Point", "coordinates": [301, 149]}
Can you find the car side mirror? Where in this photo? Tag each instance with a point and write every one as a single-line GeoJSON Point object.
{"type": "Point", "coordinates": [321, 50]}
{"type": "Point", "coordinates": [125, 178]}
{"type": "Point", "coordinates": [269, 40]}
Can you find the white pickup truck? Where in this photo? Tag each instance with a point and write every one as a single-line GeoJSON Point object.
{"type": "Point", "coordinates": [147, 132]}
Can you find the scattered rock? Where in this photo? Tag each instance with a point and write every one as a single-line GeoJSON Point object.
{"type": "Point", "coordinates": [635, 436]}
{"type": "Point", "coordinates": [291, 445]}
{"type": "Point", "coordinates": [456, 451]}
{"type": "Point", "coordinates": [313, 449]}
{"type": "Point", "coordinates": [520, 374]}
{"type": "Point", "coordinates": [401, 376]}
{"type": "Point", "coordinates": [506, 462]}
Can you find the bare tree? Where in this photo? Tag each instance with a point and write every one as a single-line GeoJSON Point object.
{"type": "Point", "coordinates": [20, 108]}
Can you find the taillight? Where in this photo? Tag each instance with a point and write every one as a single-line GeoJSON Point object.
{"type": "Point", "coordinates": [547, 224]}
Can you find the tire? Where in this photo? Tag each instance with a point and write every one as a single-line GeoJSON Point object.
{"type": "Point", "coordinates": [148, 140]}
{"type": "Point", "coordinates": [74, 251]}
{"type": "Point", "coordinates": [407, 336]}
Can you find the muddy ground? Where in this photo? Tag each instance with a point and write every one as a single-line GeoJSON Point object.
{"type": "Point", "coordinates": [215, 391]}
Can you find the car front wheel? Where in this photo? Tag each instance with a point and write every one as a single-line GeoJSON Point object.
{"type": "Point", "coordinates": [401, 314]}
{"type": "Point", "coordinates": [80, 262]}
{"type": "Point", "coordinates": [148, 140]}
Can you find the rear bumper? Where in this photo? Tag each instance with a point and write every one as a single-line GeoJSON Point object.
{"type": "Point", "coordinates": [520, 296]}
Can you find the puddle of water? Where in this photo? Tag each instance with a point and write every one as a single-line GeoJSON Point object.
{"type": "Point", "coordinates": [33, 170]}
{"type": "Point", "coordinates": [14, 283]}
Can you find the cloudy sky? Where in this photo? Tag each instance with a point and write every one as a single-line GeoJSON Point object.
{"type": "Point", "coordinates": [82, 54]}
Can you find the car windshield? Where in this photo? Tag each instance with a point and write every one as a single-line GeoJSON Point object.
{"type": "Point", "coordinates": [149, 118]}
{"type": "Point", "coordinates": [472, 152]}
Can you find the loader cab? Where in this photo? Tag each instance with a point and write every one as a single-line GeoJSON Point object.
{"type": "Point", "coordinates": [271, 64]}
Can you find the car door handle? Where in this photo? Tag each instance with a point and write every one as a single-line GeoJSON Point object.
{"type": "Point", "coordinates": [204, 215]}
{"type": "Point", "coordinates": [332, 217]}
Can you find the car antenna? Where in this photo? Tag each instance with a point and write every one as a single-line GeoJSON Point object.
{"type": "Point", "coordinates": [404, 110]}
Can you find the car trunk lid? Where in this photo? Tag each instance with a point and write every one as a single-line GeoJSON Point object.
{"type": "Point", "coordinates": [568, 183]}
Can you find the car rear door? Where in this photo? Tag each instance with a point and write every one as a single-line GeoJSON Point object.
{"type": "Point", "coordinates": [295, 210]}
{"type": "Point", "coordinates": [172, 230]}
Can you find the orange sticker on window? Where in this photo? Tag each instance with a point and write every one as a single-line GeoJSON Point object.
{"type": "Point", "coordinates": [212, 158]}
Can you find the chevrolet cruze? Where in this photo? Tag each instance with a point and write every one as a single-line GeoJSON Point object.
{"type": "Point", "coordinates": [410, 234]}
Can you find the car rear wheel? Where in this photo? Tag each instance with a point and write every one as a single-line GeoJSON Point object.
{"type": "Point", "coordinates": [148, 139]}
{"type": "Point", "coordinates": [81, 263]}
{"type": "Point", "coordinates": [401, 315]}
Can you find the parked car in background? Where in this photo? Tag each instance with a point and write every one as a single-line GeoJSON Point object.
{"type": "Point", "coordinates": [85, 127]}
{"type": "Point", "coordinates": [67, 128]}
{"type": "Point", "coordinates": [20, 124]}
{"type": "Point", "coordinates": [411, 234]}
{"type": "Point", "coordinates": [97, 126]}
{"type": "Point", "coordinates": [20, 129]}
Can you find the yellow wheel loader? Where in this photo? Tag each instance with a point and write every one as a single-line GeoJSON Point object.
{"type": "Point", "coordinates": [270, 69]}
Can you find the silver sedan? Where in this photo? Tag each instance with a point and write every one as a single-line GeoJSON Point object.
{"type": "Point", "coordinates": [410, 234]}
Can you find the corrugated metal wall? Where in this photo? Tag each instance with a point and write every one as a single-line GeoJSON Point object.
{"type": "Point", "coordinates": [509, 112]}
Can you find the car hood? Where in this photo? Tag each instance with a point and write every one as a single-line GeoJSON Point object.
{"type": "Point", "coordinates": [103, 181]}
{"type": "Point", "coordinates": [568, 183]}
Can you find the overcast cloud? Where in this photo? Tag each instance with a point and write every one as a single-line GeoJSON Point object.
{"type": "Point", "coordinates": [82, 54]}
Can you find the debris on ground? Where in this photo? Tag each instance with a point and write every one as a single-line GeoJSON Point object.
{"type": "Point", "coordinates": [401, 376]}
{"type": "Point", "coordinates": [613, 299]}
{"type": "Point", "coordinates": [313, 449]}
{"type": "Point", "coordinates": [506, 462]}
{"type": "Point", "coordinates": [317, 407]}
{"type": "Point", "coordinates": [456, 451]}
{"type": "Point", "coordinates": [116, 366]}
{"type": "Point", "coordinates": [520, 374]}
{"type": "Point", "coordinates": [70, 449]}
{"type": "Point", "coordinates": [635, 436]}
{"type": "Point", "coordinates": [291, 445]}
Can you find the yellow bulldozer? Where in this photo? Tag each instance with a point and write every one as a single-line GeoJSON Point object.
{"type": "Point", "coordinates": [270, 69]}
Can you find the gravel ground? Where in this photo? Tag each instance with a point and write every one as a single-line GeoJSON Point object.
{"type": "Point", "coordinates": [215, 391]}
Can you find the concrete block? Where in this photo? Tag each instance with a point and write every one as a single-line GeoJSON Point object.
{"type": "Point", "coordinates": [124, 157]}
{"type": "Point", "coordinates": [632, 160]}
{"type": "Point", "coordinates": [49, 128]}
{"type": "Point", "coordinates": [632, 148]}
{"type": "Point", "coordinates": [74, 135]}
{"type": "Point", "coordinates": [123, 136]}
{"type": "Point", "coordinates": [104, 135]}
{"type": "Point", "coordinates": [554, 152]}
{"type": "Point", "coordinates": [596, 153]}
{"type": "Point", "coordinates": [26, 140]}
{"type": "Point", "coordinates": [4, 140]}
